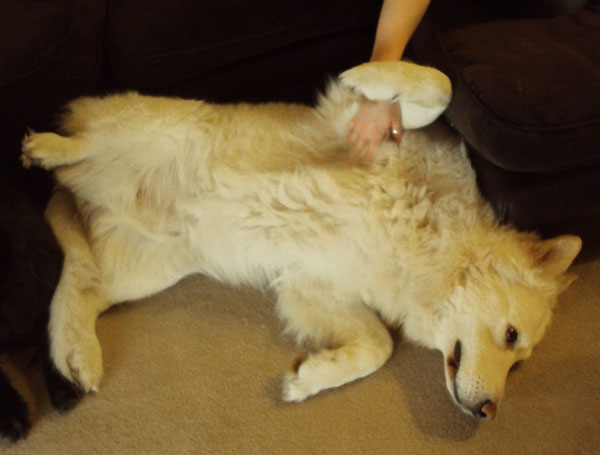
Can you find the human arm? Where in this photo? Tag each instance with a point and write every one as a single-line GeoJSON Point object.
{"type": "Point", "coordinates": [398, 20]}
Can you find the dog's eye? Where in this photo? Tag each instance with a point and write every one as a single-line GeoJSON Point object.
{"type": "Point", "coordinates": [511, 335]}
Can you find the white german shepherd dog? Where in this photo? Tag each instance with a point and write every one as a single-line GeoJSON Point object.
{"type": "Point", "coordinates": [154, 189]}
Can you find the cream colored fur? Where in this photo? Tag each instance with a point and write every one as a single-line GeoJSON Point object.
{"type": "Point", "coordinates": [154, 189]}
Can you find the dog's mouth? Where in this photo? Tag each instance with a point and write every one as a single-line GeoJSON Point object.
{"type": "Point", "coordinates": [453, 360]}
{"type": "Point", "coordinates": [453, 364]}
{"type": "Point", "coordinates": [483, 410]}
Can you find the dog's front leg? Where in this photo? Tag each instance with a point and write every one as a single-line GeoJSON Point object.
{"type": "Point", "coordinates": [358, 342]}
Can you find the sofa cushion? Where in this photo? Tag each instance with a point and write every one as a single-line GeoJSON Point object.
{"type": "Point", "coordinates": [160, 44]}
{"type": "Point", "coordinates": [537, 8]}
{"type": "Point", "coordinates": [525, 91]}
{"type": "Point", "coordinates": [50, 50]}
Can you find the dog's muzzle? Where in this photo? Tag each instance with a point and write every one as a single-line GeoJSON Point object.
{"type": "Point", "coordinates": [484, 410]}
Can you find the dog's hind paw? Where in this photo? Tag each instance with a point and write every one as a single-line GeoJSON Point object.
{"type": "Point", "coordinates": [48, 150]}
{"type": "Point", "coordinates": [85, 368]}
{"type": "Point", "coordinates": [78, 357]}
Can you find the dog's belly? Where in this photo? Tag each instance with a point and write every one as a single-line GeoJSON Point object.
{"type": "Point", "coordinates": [231, 240]}
{"type": "Point", "coordinates": [134, 264]}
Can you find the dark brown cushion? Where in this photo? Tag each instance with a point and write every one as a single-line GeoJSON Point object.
{"type": "Point", "coordinates": [525, 91]}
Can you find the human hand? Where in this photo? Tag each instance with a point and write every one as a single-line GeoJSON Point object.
{"type": "Point", "coordinates": [369, 126]}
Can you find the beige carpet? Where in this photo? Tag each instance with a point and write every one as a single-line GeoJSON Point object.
{"type": "Point", "coordinates": [196, 370]}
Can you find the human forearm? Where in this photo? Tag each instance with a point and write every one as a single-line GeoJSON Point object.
{"type": "Point", "coordinates": [397, 22]}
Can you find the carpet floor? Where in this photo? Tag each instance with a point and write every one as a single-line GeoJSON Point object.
{"type": "Point", "coordinates": [197, 369]}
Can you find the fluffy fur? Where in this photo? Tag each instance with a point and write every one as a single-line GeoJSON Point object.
{"type": "Point", "coordinates": [158, 188]}
{"type": "Point", "coordinates": [30, 262]}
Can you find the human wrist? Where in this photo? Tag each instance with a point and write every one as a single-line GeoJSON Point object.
{"type": "Point", "coordinates": [386, 54]}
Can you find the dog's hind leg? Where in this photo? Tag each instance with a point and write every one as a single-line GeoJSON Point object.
{"type": "Point", "coordinates": [359, 343]}
{"type": "Point", "coordinates": [77, 301]}
{"type": "Point", "coordinates": [50, 150]}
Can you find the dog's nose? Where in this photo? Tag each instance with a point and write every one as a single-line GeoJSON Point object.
{"type": "Point", "coordinates": [487, 410]}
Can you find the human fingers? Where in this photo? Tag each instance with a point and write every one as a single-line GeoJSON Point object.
{"type": "Point", "coordinates": [369, 127]}
{"type": "Point", "coordinates": [359, 136]}
{"type": "Point", "coordinates": [360, 147]}
{"type": "Point", "coordinates": [376, 141]}
{"type": "Point", "coordinates": [373, 141]}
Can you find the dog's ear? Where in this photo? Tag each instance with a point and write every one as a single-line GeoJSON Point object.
{"type": "Point", "coordinates": [554, 256]}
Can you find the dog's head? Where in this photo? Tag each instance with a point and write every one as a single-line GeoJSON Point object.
{"type": "Point", "coordinates": [497, 313]}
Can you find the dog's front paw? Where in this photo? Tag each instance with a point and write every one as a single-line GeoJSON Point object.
{"type": "Point", "coordinates": [306, 378]}
{"type": "Point", "coordinates": [295, 389]}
